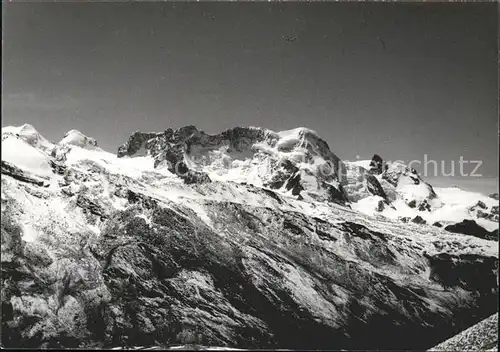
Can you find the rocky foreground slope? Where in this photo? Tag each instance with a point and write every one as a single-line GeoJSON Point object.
{"type": "Point", "coordinates": [482, 336]}
{"type": "Point", "coordinates": [231, 240]}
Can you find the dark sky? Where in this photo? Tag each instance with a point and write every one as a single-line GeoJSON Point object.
{"type": "Point", "coordinates": [401, 80]}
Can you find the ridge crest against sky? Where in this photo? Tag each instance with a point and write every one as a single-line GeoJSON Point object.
{"type": "Point", "coordinates": [401, 80]}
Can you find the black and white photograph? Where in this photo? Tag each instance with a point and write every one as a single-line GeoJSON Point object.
{"type": "Point", "coordinates": [250, 175]}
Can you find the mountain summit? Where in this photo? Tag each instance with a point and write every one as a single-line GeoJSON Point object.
{"type": "Point", "coordinates": [296, 161]}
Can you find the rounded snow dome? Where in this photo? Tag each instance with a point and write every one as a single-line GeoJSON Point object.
{"type": "Point", "coordinates": [75, 137]}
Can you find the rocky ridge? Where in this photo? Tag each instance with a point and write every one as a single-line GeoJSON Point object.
{"type": "Point", "coordinates": [297, 161]}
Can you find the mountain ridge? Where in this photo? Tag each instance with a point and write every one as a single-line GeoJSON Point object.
{"type": "Point", "coordinates": [289, 158]}
{"type": "Point", "coordinates": [120, 251]}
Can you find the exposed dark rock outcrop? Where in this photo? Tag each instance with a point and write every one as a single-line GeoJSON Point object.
{"type": "Point", "coordinates": [336, 194]}
{"type": "Point", "coordinates": [374, 187]}
{"type": "Point", "coordinates": [493, 235]}
{"type": "Point", "coordinates": [380, 205]}
{"type": "Point", "coordinates": [465, 269]}
{"type": "Point", "coordinates": [394, 171]}
{"type": "Point", "coordinates": [91, 207]}
{"type": "Point", "coordinates": [481, 205]}
{"type": "Point", "coordinates": [287, 175]}
{"type": "Point", "coordinates": [494, 210]}
{"type": "Point", "coordinates": [424, 206]}
{"type": "Point", "coordinates": [169, 148]}
{"type": "Point", "coordinates": [23, 176]}
{"type": "Point", "coordinates": [135, 143]}
{"type": "Point", "coordinates": [482, 211]}
{"type": "Point", "coordinates": [57, 167]}
{"type": "Point", "coordinates": [470, 227]}
{"type": "Point", "coordinates": [419, 220]}
{"type": "Point", "coordinates": [488, 216]}
{"type": "Point", "coordinates": [384, 180]}
{"type": "Point", "coordinates": [482, 215]}
{"type": "Point", "coordinates": [361, 184]}
{"type": "Point", "coordinates": [376, 165]}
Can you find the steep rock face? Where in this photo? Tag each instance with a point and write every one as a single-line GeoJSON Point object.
{"type": "Point", "coordinates": [117, 252]}
{"type": "Point", "coordinates": [406, 195]}
{"type": "Point", "coordinates": [361, 184]}
{"type": "Point", "coordinates": [136, 142]}
{"type": "Point", "coordinates": [399, 179]}
{"type": "Point", "coordinates": [392, 182]}
{"type": "Point", "coordinates": [18, 174]}
{"type": "Point", "coordinates": [376, 165]}
{"type": "Point", "coordinates": [295, 161]}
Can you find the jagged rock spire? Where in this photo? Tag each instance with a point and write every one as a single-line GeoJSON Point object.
{"type": "Point", "coordinates": [376, 165]}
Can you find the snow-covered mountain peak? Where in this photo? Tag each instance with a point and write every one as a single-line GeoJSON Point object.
{"type": "Point", "coordinates": [75, 137]}
{"type": "Point", "coordinates": [239, 138]}
{"type": "Point", "coordinates": [29, 134]}
{"type": "Point", "coordinates": [306, 140]}
{"type": "Point", "coordinates": [295, 161]}
{"type": "Point", "coordinates": [25, 129]}
{"type": "Point", "coordinates": [394, 182]}
{"type": "Point", "coordinates": [395, 190]}
{"type": "Point", "coordinates": [24, 147]}
{"type": "Point", "coordinates": [298, 137]}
